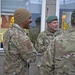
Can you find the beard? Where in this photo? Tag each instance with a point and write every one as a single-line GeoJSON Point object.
{"type": "Point", "coordinates": [26, 26]}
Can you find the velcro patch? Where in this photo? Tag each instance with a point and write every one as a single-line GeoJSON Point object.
{"type": "Point", "coordinates": [28, 44]}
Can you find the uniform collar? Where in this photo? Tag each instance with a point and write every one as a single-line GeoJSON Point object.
{"type": "Point", "coordinates": [50, 32]}
{"type": "Point", "coordinates": [17, 26]}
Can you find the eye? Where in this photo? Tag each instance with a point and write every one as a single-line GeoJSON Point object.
{"type": "Point", "coordinates": [29, 17]}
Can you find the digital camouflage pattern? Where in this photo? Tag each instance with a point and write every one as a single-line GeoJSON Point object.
{"type": "Point", "coordinates": [18, 51]}
{"type": "Point", "coordinates": [44, 39]}
{"type": "Point", "coordinates": [59, 58]}
{"type": "Point", "coordinates": [34, 32]}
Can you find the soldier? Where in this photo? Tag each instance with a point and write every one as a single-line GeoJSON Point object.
{"type": "Point", "coordinates": [59, 59]}
{"type": "Point", "coordinates": [18, 49]}
{"type": "Point", "coordinates": [46, 36]}
{"type": "Point", "coordinates": [34, 32]}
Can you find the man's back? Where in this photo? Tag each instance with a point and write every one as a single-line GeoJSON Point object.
{"type": "Point", "coordinates": [17, 50]}
{"type": "Point", "coordinates": [65, 54]}
{"type": "Point", "coordinates": [12, 59]}
{"type": "Point", "coordinates": [59, 58]}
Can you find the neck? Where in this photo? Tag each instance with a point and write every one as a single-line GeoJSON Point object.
{"type": "Point", "coordinates": [51, 30]}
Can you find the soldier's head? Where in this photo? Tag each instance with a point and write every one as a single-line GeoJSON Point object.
{"type": "Point", "coordinates": [73, 18]}
{"type": "Point", "coordinates": [52, 23]}
{"type": "Point", "coordinates": [22, 17]}
{"type": "Point", "coordinates": [38, 21]}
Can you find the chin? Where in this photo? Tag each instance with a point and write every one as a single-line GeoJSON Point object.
{"type": "Point", "coordinates": [27, 27]}
{"type": "Point", "coordinates": [56, 29]}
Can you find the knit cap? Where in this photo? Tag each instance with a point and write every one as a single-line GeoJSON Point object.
{"type": "Point", "coordinates": [51, 18]}
{"type": "Point", "coordinates": [21, 15]}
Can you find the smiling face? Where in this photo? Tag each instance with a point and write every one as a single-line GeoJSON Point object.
{"type": "Point", "coordinates": [53, 25]}
{"type": "Point", "coordinates": [26, 24]}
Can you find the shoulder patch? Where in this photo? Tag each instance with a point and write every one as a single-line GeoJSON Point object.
{"type": "Point", "coordinates": [28, 44]}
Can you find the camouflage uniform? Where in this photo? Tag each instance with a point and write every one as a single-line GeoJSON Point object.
{"type": "Point", "coordinates": [59, 59]}
{"type": "Point", "coordinates": [34, 32]}
{"type": "Point", "coordinates": [44, 39]}
{"type": "Point", "coordinates": [18, 51]}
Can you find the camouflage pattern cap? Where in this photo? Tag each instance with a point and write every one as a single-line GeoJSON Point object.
{"type": "Point", "coordinates": [51, 18]}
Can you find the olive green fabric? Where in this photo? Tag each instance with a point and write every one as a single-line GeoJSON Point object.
{"type": "Point", "coordinates": [73, 17]}
{"type": "Point", "coordinates": [51, 18]}
{"type": "Point", "coordinates": [21, 15]}
{"type": "Point", "coordinates": [18, 51]}
{"type": "Point", "coordinates": [34, 32]}
{"type": "Point", "coordinates": [59, 57]}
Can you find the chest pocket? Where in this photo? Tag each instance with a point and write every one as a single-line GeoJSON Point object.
{"type": "Point", "coordinates": [47, 40]}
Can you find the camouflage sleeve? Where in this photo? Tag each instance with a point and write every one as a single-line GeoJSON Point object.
{"type": "Point", "coordinates": [46, 65]}
{"type": "Point", "coordinates": [40, 46]}
{"type": "Point", "coordinates": [25, 48]}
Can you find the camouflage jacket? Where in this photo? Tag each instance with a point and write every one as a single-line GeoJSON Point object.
{"type": "Point", "coordinates": [18, 51]}
{"type": "Point", "coordinates": [33, 34]}
{"type": "Point", "coordinates": [60, 58]}
{"type": "Point", "coordinates": [44, 39]}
